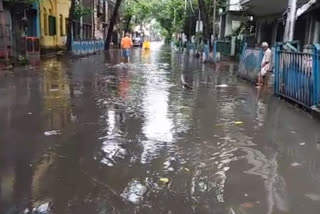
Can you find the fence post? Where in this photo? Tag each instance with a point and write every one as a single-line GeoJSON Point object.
{"type": "Point", "coordinates": [233, 46]}
{"type": "Point", "coordinates": [243, 50]}
{"type": "Point", "coordinates": [277, 70]}
{"type": "Point", "coordinates": [316, 75]}
{"type": "Point", "coordinates": [214, 51]}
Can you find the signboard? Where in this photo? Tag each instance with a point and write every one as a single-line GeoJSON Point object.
{"type": "Point", "coordinates": [199, 27]}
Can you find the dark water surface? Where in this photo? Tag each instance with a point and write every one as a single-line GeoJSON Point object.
{"type": "Point", "coordinates": [94, 136]}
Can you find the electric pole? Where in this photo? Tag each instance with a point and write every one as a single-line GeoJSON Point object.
{"type": "Point", "coordinates": [214, 19]}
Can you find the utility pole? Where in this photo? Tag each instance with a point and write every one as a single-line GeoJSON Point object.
{"type": "Point", "coordinates": [214, 19]}
{"type": "Point", "coordinates": [81, 21]}
{"type": "Point", "coordinates": [291, 19]}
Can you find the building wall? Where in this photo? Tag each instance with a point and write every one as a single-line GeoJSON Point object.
{"type": "Point", "coordinates": [232, 23]}
{"type": "Point", "coordinates": [50, 10]}
{"type": "Point", "coordinates": [5, 31]}
{"type": "Point", "coordinates": [234, 5]}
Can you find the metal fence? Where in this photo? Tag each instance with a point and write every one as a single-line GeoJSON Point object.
{"type": "Point", "coordinates": [297, 76]}
{"type": "Point", "coordinates": [250, 63]}
{"type": "Point", "coordinates": [84, 47]}
{"type": "Point", "coordinates": [224, 47]}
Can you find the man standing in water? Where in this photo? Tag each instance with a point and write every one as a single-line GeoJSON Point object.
{"type": "Point", "coordinates": [265, 64]}
{"type": "Point", "coordinates": [126, 45]}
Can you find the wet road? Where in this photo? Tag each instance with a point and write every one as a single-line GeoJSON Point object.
{"type": "Point", "coordinates": [95, 136]}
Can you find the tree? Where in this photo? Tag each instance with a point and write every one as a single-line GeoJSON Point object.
{"type": "Point", "coordinates": [112, 23]}
{"type": "Point", "coordinates": [69, 26]}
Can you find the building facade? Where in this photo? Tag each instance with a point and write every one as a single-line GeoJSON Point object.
{"type": "Point", "coordinates": [19, 21]}
{"type": "Point", "coordinates": [230, 18]}
{"type": "Point", "coordinates": [53, 21]}
{"type": "Point", "coordinates": [270, 19]}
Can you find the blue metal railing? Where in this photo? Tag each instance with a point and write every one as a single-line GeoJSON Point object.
{"type": "Point", "coordinates": [250, 63]}
{"type": "Point", "coordinates": [297, 76]}
{"type": "Point", "coordinates": [316, 75]}
{"type": "Point", "coordinates": [84, 47]}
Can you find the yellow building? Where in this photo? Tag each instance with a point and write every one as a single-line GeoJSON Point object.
{"type": "Point", "coordinates": [53, 23]}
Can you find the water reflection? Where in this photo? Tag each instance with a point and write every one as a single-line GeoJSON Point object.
{"type": "Point", "coordinates": [158, 126]}
{"type": "Point", "coordinates": [56, 93]}
{"type": "Point", "coordinates": [136, 127]}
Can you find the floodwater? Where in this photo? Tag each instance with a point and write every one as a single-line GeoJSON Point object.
{"type": "Point", "coordinates": [94, 136]}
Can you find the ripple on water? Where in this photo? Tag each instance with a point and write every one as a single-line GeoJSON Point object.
{"type": "Point", "coordinates": [112, 151]}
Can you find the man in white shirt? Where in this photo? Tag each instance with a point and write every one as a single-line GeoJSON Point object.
{"type": "Point", "coordinates": [265, 64]}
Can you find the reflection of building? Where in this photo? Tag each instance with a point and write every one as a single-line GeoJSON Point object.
{"type": "Point", "coordinates": [56, 90]}
{"type": "Point", "coordinates": [53, 18]}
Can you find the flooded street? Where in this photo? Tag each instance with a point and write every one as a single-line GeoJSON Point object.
{"type": "Point", "coordinates": [96, 136]}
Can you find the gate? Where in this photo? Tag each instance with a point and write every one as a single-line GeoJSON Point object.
{"type": "Point", "coordinates": [297, 76]}
{"type": "Point", "coordinates": [250, 63]}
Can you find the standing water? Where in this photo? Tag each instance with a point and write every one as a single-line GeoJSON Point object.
{"type": "Point", "coordinates": [96, 136]}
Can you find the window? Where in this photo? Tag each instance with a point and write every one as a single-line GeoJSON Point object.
{"type": "Point", "coordinates": [66, 25]}
{"type": "Point", "coordinates": [76, 30]}
{"type": "Point", "coordinates": [52, 25]}
{"type": "Point", "coordinates": [45, 22]}
{"type": "Point", "coordinates": [61, 25]}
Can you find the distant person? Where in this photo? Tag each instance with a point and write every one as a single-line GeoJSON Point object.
{"type": "Point", "coordinates": [146, 44]}
{"type": "Point", "coordinates": [265, 64]}
{"type": "Point", "coordinates": [126, 46]}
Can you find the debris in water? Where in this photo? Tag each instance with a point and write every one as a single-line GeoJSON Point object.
{"type": "Point", "coordinates": [170, 169]}
{"type": "Point", "coordinates": [54, 89]}
{"type": "Point", "coordinates": [232, 211]}
{"type": "Point", "coordinates": [164, 180]}
{"type": "Point", "coordinates": [312, 196]}
{"type": "Point", "coordinates": [293, 132]}
{"type": "Point", "coordinates": [222, 86]}
{"type": "Point", "coordinates": [30, 113]}
{"type": "Point", "coordinates": [246, 195]}
{"type": "Point", "coordinates": [247, 205]}
{"type": "Point", "coordinates": [294, 164]}
{"type": "Point", "coordinates": [187, 170]}
{"type": "Point", "coordinates": [238, 122]}
{"type": "Point", "coordinates": [52, 132]}
{"type": "Point", "coordinates": [302, 144]}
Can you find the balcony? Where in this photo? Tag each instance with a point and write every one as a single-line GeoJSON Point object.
{"type": "Point", "coordinates": [266, 8]}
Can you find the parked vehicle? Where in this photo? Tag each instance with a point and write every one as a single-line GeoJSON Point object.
{"type": "Point", "coordinates": [137, 42]}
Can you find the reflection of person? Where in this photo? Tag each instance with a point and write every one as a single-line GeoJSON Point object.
{"type": "Point", "coordinates": [126, 45]}
{"type": "Point", "coordinates": [265, 64]}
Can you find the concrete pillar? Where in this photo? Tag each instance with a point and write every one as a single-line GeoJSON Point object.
{"type": "Point", "coordinates": [291, 19]}
{"type": "Point", "coordinates": [228, 27]}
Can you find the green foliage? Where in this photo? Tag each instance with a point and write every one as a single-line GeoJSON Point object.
{"type": "Point", "coordinates": [170, 14]}
{"type": "Point", "coordinates": [80, 11]}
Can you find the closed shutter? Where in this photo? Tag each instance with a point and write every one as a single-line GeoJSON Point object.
{"type": "Point", "coordinates": [52, 25]}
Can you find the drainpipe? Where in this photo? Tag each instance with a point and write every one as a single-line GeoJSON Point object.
{"type": "Point", "coordinates": [291, 19]}
{"type": "Point", "coordinates": [81, 22]}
